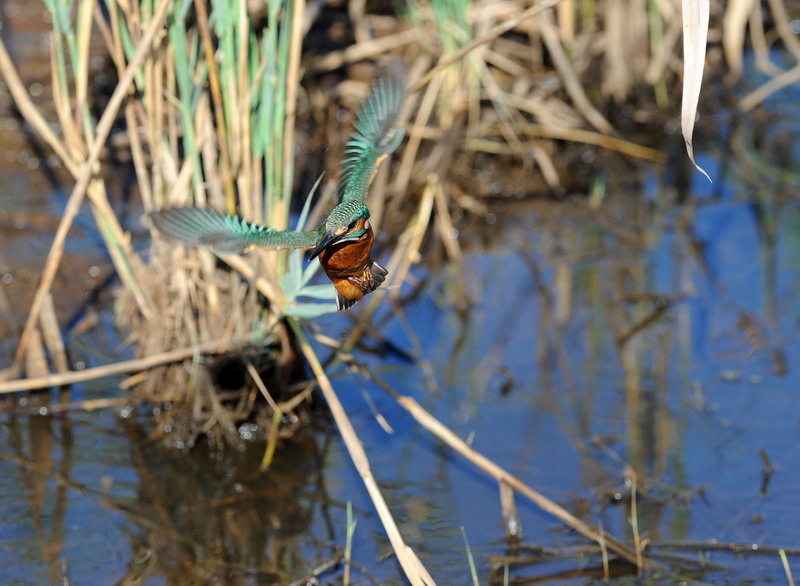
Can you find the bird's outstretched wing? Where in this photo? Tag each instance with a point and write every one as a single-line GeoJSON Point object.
{"type": "Point", "coordinates": [376, 132]}
{"type": "Point", "coordinates": [225, 234]}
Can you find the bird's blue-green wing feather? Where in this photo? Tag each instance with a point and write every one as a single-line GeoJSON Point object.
{"type": "Point", "coordinates": [225, 234]}
{"type": "Point", "coordinates": [376, 133]}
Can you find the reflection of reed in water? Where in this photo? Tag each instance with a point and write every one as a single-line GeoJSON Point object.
{"type": "Point", "coordinates": [209, 514]}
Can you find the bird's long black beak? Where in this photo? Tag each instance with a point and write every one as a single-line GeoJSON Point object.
{"type": "Point", "coordinates": [328, 239]}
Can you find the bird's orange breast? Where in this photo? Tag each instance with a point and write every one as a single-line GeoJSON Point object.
{"type": "Point", "coordinates": [349, 265]}
{"type": "Point", "coordinates": [348, 259]}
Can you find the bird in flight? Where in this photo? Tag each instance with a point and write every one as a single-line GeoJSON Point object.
{"type": "Point", "coordinates": [343, 243]}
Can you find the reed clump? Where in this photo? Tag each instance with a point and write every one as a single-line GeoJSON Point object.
{"type": "Point", "coordinates": [212, 124]}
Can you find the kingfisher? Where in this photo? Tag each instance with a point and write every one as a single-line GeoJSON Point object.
{"type": "Point", "coordinates": [344, 241]}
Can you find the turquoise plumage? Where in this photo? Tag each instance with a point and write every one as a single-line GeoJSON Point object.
{"type": "Point", "coordinates": [376, 134]}
{"type": "Point", "coordinates": [227, 234]}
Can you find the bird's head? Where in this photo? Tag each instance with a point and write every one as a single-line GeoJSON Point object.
{"type": "Point", "coordinates": [348, 222]}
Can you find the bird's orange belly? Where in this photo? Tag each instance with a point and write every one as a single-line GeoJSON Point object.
{"type": "Point", "coordinates": [352, 290]}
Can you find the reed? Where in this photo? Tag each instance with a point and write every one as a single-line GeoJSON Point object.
{"type": "Point", "coordinates": [214, 126]}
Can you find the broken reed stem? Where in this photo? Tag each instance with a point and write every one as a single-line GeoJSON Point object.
{"type": "Point", "coordinates": [414, 569]}
{"type": "Point", "coordinates": [87, 172]}
{"type": "Point", "coordinates": [68, 378]}
{"type": "Point", "coordinates": [445, 434]}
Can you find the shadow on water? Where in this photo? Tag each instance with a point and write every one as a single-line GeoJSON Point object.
{"type": "Point", "coordinates": [92, 499]}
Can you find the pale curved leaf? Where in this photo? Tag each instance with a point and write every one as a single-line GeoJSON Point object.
{"type": "Point", "coordinates": [695, 33]}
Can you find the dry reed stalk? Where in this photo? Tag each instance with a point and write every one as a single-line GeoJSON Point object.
{"type": "Point", "coordinates": [737, 13]}
{"type": "Point", "coordinates": [580, 136]}
{"type": "Point", "coordinates": [35, 358]}
{"type": "Point", "coordinates": [498, 30]}
{"type": "Point", "coordinates": [618, 69]}
{"type": "Point", "coordinates": [138, 364]}
{"type": "Point", "coordinates": [445, 227]}
{"type": "Point", "coordinates": [572, 85]}
{"type": "Point", "coordinates": [29, 111]}
{"type": "Point", "coordinates": [7, 316]}
{"type": "Point", "coordinates": [603, 551]}
{"type": "Point", "coordinates": [402, 179]}
{"type": "Point", "coordinates": [511, 521]}
{"type": "Point", "coordinates": [504, 112]}
{"type": "Point", "coordinates": [787, 570]}
{"type": "Point", "coordinates": [783, 22]}
{"type": "Point", "coordinates": [87, 167]}
{"type": "Point", "coordinates": [412, 566]}
{"type": "Point", "coordinates": [48, 322]}
{"type": "Point", "coordinates": [764, 91]}
{"type": "Point", "coordinates": [292, 83]}
{"type": "Point", "coordinates": [364, 50]}
{"type": "Point", "coordinates": [216, 95]}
